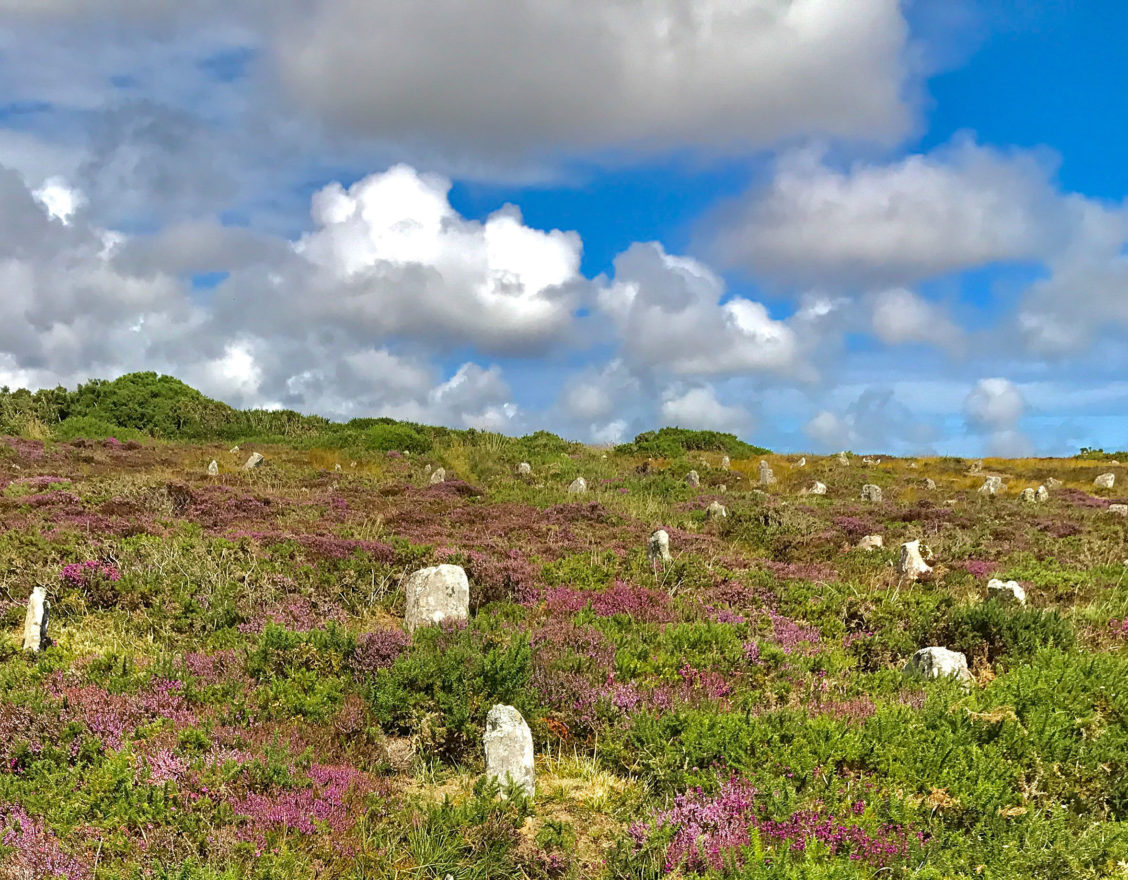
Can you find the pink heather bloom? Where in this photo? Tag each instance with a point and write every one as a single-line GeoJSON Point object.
{"type": "Point", "coordinates": [36, 851]}
{"type": "Point", "coordinates": [79, 575]}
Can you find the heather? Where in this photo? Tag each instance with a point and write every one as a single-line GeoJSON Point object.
{"type": "Point", "coordinates": [230, 693]}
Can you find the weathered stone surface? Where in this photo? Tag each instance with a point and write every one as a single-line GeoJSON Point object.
{"type": "Point", "coordinates": [868, 460]}
{"type": "Point", "coordinates": [509, 749]}
{"type": "Point", "coordinates": [213, 468]}
{"type": "Point", "coordinates": [692, 480]}
{"type": "Point", "coordinates": [525, 469]}
{"type": "Point", "coordinates": [817, 489]}
{"type": "Point", "coordinates": [438, 476]}
{"type": "Point", "coordinates": [936, 662]}
{"type": "Point", "coordinates": [254, 461]}
{"type": "Point", "coordinates": [233, 450]}
{"type": "Point", "coordinates": [1053, 483]}
{"type": "Point", "coordinates": [842, 459]}
{"type": "Point", "coordinates": [725, 463]}
{"type": "Point", "coordinates": [911, 564]}
{"type": "Point", "coordinates": [1006, 591]}
{"type": "Point", "coordinates": [716, 510]}
{"type": "Point", "coordinates": [658, 547]}
{"type": "Point", "coordinates": [337, 467]}
{"type": "Point", "coordinates": [1105, 481]}
{"type": "Point", "coordinates": [1118, 509]}
{"type": "Point", "coordinates": [991, 486]}
{"type": "Point", "coordinates": [722, 488]}
{"type": "Point", "coordinates": [767, 475]}
{"type": "Point", "coordinates": [976, 467]}
{"type": "Point", "coordinates": [435, 595]}
{"type": "Point", "coordinates": [871, 492]}
{"type": "Point", "coordinates": [578, 487]}
{"type": "Point", "coordinates": [871, 542]}
{"type": "Point", "coordinates": [35, 621]}
{"type": "Point", "coordinates": [801, 462]}
{"type": "Point", "coordinates": [930, 484]}
{"type": "Point", "coordinates": [1028, 495]}
{"type": "Point", "coordinates": [1041, 494]}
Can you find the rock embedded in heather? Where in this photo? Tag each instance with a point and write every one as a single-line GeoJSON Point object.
{"type": "Point", "coordinates": [871, 493]}
{"type": "Point", "coordinates": [337, 467]}
{"type": "Point", "coordinates": [1105, 481]}
{"type": "Point", "coordinates": [725, 463]}
{"type": "Point", "coordinates": [976, 467]}
{"type": "Point", "coordinates": [524, 469]}
{"type": "Point", "coordinates": [658, 547]}
{"type": "Point", "coordinates": [438, 476]}
{"type": "Point", "coordinates": [213, 468]}
{"type": "Point", "coordinates": [1053, 483]}
{"type": "Point", "coordinates": [911, 564]}
{"type": "Point", "coordinates": [578, 486]}
{"type": "Point", "coordinates": [35, 620]}
{"type": "Point", "coordinates": [767, 475]}
{"type": "Point", "coordinates": [991, 486]}
{"type": "Point", "coordinates": [937, 662]}
{"type": "Point", "coordinates": [801, 462]}
{"type": "Point", "coordinates": [233, 450]}
{"type": "Point", "coordinates": [1028, 495]}
{"type": "Point", "coordinates": [436, 595]}
{"type": "Point", "coordinates": [509, 750]}
{"type": "Point", "coordinates": [692, 480]}
{"type": "Point", "coordinates": [843, 460]}
{"type": "Point", "coordinates": [817, 489]}
{"type": "Point", "coordinates": [1010, 592]}
{"type": "Point", "coordinates": [929, 484]}
{"type": "Point", "coordinates": [1118, 509]}
{"type": "Point", "coordinates": [254, 461]}
{"type": "Point", "coordinates": [716, 510]}
{"type": "Point", "coordinates": [871, 542]}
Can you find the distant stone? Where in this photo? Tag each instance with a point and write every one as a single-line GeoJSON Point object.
{"type": "Point", "coordinates": [801, 462]}
{"type": "Point", "coordinates": [1028, 495]}
{"type": "Point", "coordinates": [716, 510]}
{"type": "Point", "coordinates": [1118, 509]}
{"type": "Point", "coordinates": [352, 464]}
{"type": "Point", "coordinates": [254, 461]}
{"type": "Point", "coordinates": [509, 749]}
{"type": "Point", "coordinates": [436, 595]}
{"type": "Point", "coordinates": [767, 475]}
{"type": "Point", "coordinates": [976, 467]}
{"type": "Point", "coordinates": [938, 662]}
{"type": "Point", "coordinates": [658, 547]}
{"type": "Point", "coordinates": [843, 460]}
{"type": "Point", "coordinates": [233, 450]}
{"type": "Point", "coordinates": [1053, 483]}
{"type": "Point", "coordinates": [578, 487]}
{"type": "Point", "coordinates": [213, 468]}
{"type": "Point", "coordinates": [930, 484]}
{"type": "Point", "coordinates": [1006, 591]}
{"type": "Point", "coordinates": [913, 465]}
{"type": "Point", "coordinates": [692, 480]}
{"type": "Point", "coordinates": [871, 461]}
{"type": "Point", "coordinates": [871, 492]}
{"type": "Point", "coordinates": [722, 488]}
{"type": "Point", "coordinates": [911, 564]}
{"type": "Point", "coordinates": [35, 621]}
{"type": "Point", "coordinates": [725, 463]}
{"type": "Point", "coordinates": [1105, 481]}
{"type": "Point", "coordinates": [438, 476]}
{"type": "Point", "coordinates": [817, 489]}
{"type": "Point", "coordinates": [337, 467]}
{"type": "Point", "coordinates": [1041, 494]}
{"type": "Point", "coordinates": [524, 469]}
{"type": "Point", "coordinates": [991, 486]}
{"type": "Point", "coordinates": [871, 542]}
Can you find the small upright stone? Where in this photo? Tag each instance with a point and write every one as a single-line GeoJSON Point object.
{"type": "Point", "coordinates": [337, 468]}
{"type": "Point", "coordinates": [870, 492]}
{"type": "Point", "coordinates": [213, 468]}
{"type": "Point", "coordinates": [767, 475]}
{"type": "Point", "coordinates": [1041, 494]}
{"type": "Point", "coordinates": [1053, 483]}
{"type": "Point", "coordinates": [976, 467]}
{"type": "Point", "coordinates": [35, 621]}
{"type": "Point", "coordinates": [509, 749]}
{"type": "Point", "coordinates": [438, 476]}
{"type": "Point", "coordinates": [991, 486]}
{"type": "Point", "coordinates": [725, 463]}
{"type": "Point", "coordinates": [658, 547]}
{"type": "Point", "coordinates": [716, 510]}
{"type": "Point", "coordinates": [1006, 591]}
{"type": "Point", "coordinates": [436, 595]}
{"type": "Point", "coordinates": [233, 450]}
{"type": "Point", "coordinates": [871, 542]}
{"type": "Point", "coordinates": [930, 484]}
{"type": "Point", "coordinates": [911, 564]}
{"type": "Point", "coordinates": [524, 469]}
{"type": "Point", "coordinates": [817, 489]}
{"type": "Point", "coordinates": [1118, 509]}
{"type": "Point", "coordinates": [1105, 481]}
{"type": "Point", "coordinates": [843, 460]}
{"type": "Point", "coordinates": [1028, 495]}
{"type": "Point", "coordinates": [801, 462]}
{"type": "Point", "coordinates": [939, 662]}
{"type": "Point", "coordinates": [578, 487]}
{"type": "Point", "coordinates": [254, 461]}
{"type": "Point", "coordinates": [692, 480]}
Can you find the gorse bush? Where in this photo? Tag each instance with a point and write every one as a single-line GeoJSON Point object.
{"type": "Point", "coordinates": [676, 442]}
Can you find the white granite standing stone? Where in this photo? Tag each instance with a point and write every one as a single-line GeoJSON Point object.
{"type": "Point", "coordinates": [1105, 481]}
{"type": "Point", "coordinates": [801, 462]}
{"type": "Point", "coordinates": [1041, 494]}
{"type": "Point", "coordinates": [436, 595]}
{"type": "Point", "coordinates": [578, 486]}
{"type": "Point", "coordinates": [991, 486]}
{"type": "Point", "coordinates": [35, 621]}
{"type": "Point", "coordinates": [976, 467]}
{"type": "Point", "coordinates": [1053, 483]}
{"type": "Point", "coordinates": [911, 564]}
{"type": "Point", "coordinates": [254, 461]}
{"type": "Point", "coordinates": [871, 492]}
{"type": "Point", "coordinates": [213, 468]}
{"type": "Point", "coordinates": [871, 542]}
{"type": "Point", "coordinates": [1028, 495]}
{"type": "Point", "coordinates": [843, 460]}
{"type": "Point", "coordinates": [716, 510]}
{"type": "Point", "coordinates": [725, 463]}
{"type": "Point", "coordinates": [1006, 591]}
{"type": "Point", "coordinates": [524, 469]}
{"type": "Point", "coordinates": [1118, 509]}
{"type": "Point", "coordinates": [692, 480]}
{"type": "Point", "coordinates": [438, 476]}
{"type": "Point", "coordinates": [817, 489]}
{"type": "Point", "coordinates": [767, 475]}
{"type": "Point", "coordinates": [658, 547]}
{"type": "Point", "coordinates": [936, 662]}
{"type": "Point", "coordinates": [509, 749]}
{"type": "Point", "coordinates": [930, 484]}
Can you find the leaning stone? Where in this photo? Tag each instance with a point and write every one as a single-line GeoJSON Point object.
{"type": "Point", "coordinates": [716, 510]}
{"type": "Point", "coordinates": [692, 480]}
{"type": "Point", "coordinates": [817, 489]}
{"type": "Point", "coordinates": [930, 484]}
{"type": "Point", "coordinates": [801, 462]}
{"type": "Point", "coordinates": [1053, 483]}
{"type": "Point", "coordinates": [254, 461]}
{"type": "Point", "coordinates": [938, 662]}
{"type": "Point", "coordinates": [725, 463]}
{"type": "Point", "coordinates": [911, 565]}
{"type": "Point", "coordinates": [767, 475]}
{"type": "Point", "coordinates": [213, 468]}
{"type": "Point", "coordinates": [509, 749]}
{"type": "Point", "coordinates": [525, 469]}
{"type": "Point", "coordinates": [658, 547]}
{"type": "Point", "coordinates": [1105, 481]}
{"type": "Point", "coordinates": [578, 487]}
{"type": "Point", "coordinates": [1028, 495]}
{"type": "Point", "coordinates": [1006, 591]}
{"type": "Point", "coordinates": [35, 621]}
{"type": "Point", "coordinates": [438, 476]}
{"type": "Point", "coordinates": [871, 542]}
{"type": "Point", "coordinates": [991, 486]}
{"type": "Point", "coordinates": [871, 492]}
{"type": "Point", "coordinates": [1118, 509]}
{"type": "Point", "coordinates": [842, 459]}
{"type": "Point", "coordinates": [1041, 494]}
{"type": "Point", "coordinates": [436, 595]}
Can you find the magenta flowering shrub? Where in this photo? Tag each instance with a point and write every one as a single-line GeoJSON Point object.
{"type": "Point", "coordinates": [378, 650]}
{"type": "Point", "coordinates": [1119, 628]}
{"type": "Point", "coordinates": [643, 604]}
{"type": "Point", "coordinates": [36, 852]}
{"type": "Point", "coordinates": [85, 575]}
{"type": "Point", "coordinates": [978, 568]}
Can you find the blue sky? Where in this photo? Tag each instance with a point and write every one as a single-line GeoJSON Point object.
{"type": "Point", "coordinates": [894, 226]}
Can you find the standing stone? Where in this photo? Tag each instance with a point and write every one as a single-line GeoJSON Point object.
{"type": "Point", "coordinates": [801, 462]}
{"type": "Point", "coordinates": [843, 460]}
{"type": "Point", "coordinates": [871, 542]}
{"type": "Point", "coordinates": [1006, 591]}
{"type": "Point", "coordinates": [716, 510]}
{"type": "Point", "coordinates": [767, 475]}
{"type": "Point", "coordinates": [213, 468]}
{"type": "Point", "coordinates": [35, 621]}
{"type": "Point", "coordinates": [438, 476]}
{"type": "Point", "coordinates": [911, 565]}
{"type": "Point", "coordinates": [524, 469]}
{"type": "Point", "coordinates": [1041, 494]}
{"type": "Point", "coordinates": [1053, 483]}
{"type": "Point", "coordinates": [976, 467]}
{"type": "Point", "coordinates": [254, 461]}
{"type": "Point", "coordinates": [725, 463]}
{"type": "Point", "coordinates": [991, 486]}
{"type": "Point", "coordinates": [817, 489]}
{"type": "Point", "coordinates": [722, 488]}
{"type": "Point", "coordinates": [509, 749]}
{"type": "Point", "coordinates": [233, 450]}
{"type": "Point", "coordinates": [435, 595]}
{"type": "Point", "coordinates": [930, 484]}
{"type": "Point", "coordinates": [1105, 481]}
{"type": "Point", "coordinates": [1028, 495]}
{"type": "Point", "coordinates": [578, 487]}
{"type": "Point", "coordinates": [692, 480]}
{"type": "Point", "coordinates": [938, 662]}
{"type": "Point", "coordinates": [1118, 509]}
{"type": "Point", "coordinates": [337, 467]}
{"type": "Point", "coordinates": [658, 547]}
{"type": "Point", "coordinates": [871, 492]}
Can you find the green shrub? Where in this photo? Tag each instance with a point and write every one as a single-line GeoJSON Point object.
{"type": "Point", "coordinates": [676, 442]}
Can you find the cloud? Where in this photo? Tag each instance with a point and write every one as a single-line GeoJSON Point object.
{"type": "Point", "coordinates": [876, 421]}
{"type": "Point", "coordinates": [698, 408]}
{"type": "Point", "coordinates": [995, 407]}
{"type": "Point", "coordinates": [901, 316]}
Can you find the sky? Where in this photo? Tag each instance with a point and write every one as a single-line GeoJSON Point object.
{"type": "Point", "coordinates": [890, 226]}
